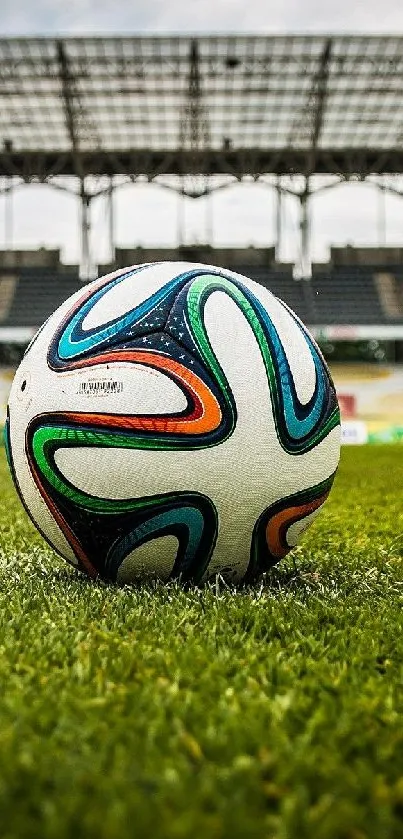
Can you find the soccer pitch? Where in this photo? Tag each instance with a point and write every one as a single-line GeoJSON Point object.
{"type": "Point", "coordinates": [153, 712]}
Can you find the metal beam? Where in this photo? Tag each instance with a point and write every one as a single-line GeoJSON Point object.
{"type": "Point", "coordinates": [122, 92]}
{"type": "Point", "coordinates": [68, 97]}
{"type": "Point", "coordinates": [320, 93]}
{"type": "Point", "coordinates": [348, 162]}
{"type": "Point", "coordinates": [195, 96]}
{"type": "Point", "coordinates": [194, 132]}
{"type": "Point", "coordinates": [318, 102]}
{"type": "Point", "coordinates": [67, 93]}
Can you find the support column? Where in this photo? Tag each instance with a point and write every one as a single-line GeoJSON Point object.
{"type": "Point", "coordinates": [305, 265]}
{"type": "Point", "coordinates": [87, 270]}
{"type": "Point", "coordinates": [111, 221]}
{"type": "Point", "coordinates": [8, 215]}
{"type": "Point", "coordinates": [209, 219]}
{"type": "Point", "coordinates": [278, 196]}
{"type": "Point", "coordinates": [381, 217]}
{"type": "Point", "coordinates": [181, 219]}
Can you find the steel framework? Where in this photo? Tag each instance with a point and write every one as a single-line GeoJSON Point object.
{"type": "Point", "coordinates": [201, 106]}
{"type": "Point", "coordinates": [281, 104]}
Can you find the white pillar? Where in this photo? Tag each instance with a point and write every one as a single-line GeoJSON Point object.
{"type": "Point", "coordinates": [381, 233]}
{"type": "Point", "coordinates": [87, 269]}
{"type": "Point", "coordinates": [181, 219]}
{"type": "Point", "coordinates": [305, 267]}
{"type": "Point", "coordinates": [111, 220]}
{"type": "Point", "coordinates": [8, 215]}
{"type": "Point", "coordinates": [278, 197]}
{"type": "Point", "coordinates": [209, 219]}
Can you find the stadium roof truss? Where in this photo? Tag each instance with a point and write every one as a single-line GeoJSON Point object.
{"type": "Point", "coordinates": [210, 105]}
{"type": "Point", "coordinates": [181, 110]}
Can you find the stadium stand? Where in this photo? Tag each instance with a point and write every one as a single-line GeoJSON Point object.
{"type": "Point", "coordinates": [362, 292]}
{"type": "Point", "coordinates": [356, 257]}
{"type": "Point", "coordinates": [32, 285]}
{"type": "Point", "coordinates": [38, 258]}
{"type": "Point", "coordinates": [345, 297]}
{"type": "Point", "coordinates": [389, 293]}
{"type": "Point", "coordinates": [35, 294]}
{"type": "Point", "coordinates": [279, 280]}
{"type": "Point", "coordinates": [263, 257]}
{"type": "Point", "coordinates": [8, 284]}
{"type": "Point", "coordinates": [360, 285]}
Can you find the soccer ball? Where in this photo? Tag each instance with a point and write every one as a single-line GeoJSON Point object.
{"type": "Point", "coordinates": [173, 420]}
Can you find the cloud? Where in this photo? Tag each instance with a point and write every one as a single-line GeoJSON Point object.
{"type": "Point", "coordinates": [100, 16]}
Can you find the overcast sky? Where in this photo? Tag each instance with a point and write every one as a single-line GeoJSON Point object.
{"type": "Point", "coordinates": [241, 215]}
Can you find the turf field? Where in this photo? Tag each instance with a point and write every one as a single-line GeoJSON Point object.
{"type": "Point", "coordinates": [156, 713]}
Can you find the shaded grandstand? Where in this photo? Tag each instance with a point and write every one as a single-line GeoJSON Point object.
{"type": "Point", "coordinates": [32, 285]}
{"type": "Point", "coordinates": [359, 288]}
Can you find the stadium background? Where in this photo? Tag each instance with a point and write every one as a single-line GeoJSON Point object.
{"type": "Point", "coordinates": [273, 710]}
{"type": "Point", "coordinates": [296, 114]}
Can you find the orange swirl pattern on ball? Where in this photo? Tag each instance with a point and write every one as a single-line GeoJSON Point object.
{"type": "Point", "coordinates": [205, 417]}
{"type": "Point", "coordinates": [278, 525]}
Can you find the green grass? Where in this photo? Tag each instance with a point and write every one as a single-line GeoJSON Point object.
{"type": "Point", "coordinates": [157, 713]}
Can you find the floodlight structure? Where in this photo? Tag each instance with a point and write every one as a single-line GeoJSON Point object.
{"type": "Point", "coordinates": [176, 109]}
